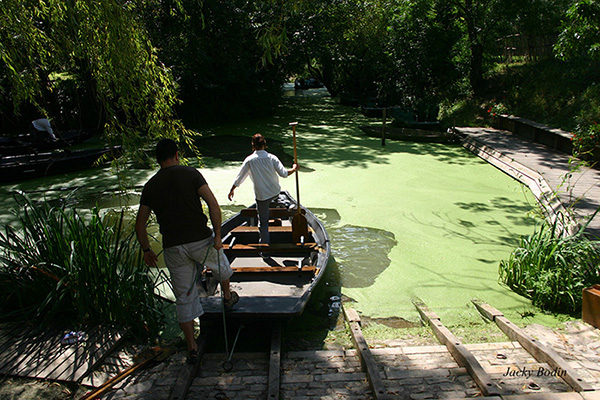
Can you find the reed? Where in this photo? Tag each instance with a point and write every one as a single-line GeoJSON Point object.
{"type": "Point", "coordinates": [59, 263]}
{"type": "Point", "coordinates": [552, 269]}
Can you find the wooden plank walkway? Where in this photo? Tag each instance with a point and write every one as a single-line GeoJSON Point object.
{"type": "Point", "coordinates": [27, 352]}
{"type": "Point", "coordinates": [579, 189]}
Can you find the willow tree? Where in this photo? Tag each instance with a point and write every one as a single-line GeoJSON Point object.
{"type": "Point", "coordinates": [103, 50]}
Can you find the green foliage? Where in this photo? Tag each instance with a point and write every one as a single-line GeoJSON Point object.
{"type": "Point", "coordinates": [217, 51]}
{"type": "Point", "coordinates": [564, 94]}
{"type": "Point", "coordinates": [86, 269]}
{"type": "Point", "coordinates": [552, 269]}
{"type": "Point", "coordinates": [585, 139]}
{"type": "Point", "coordinates": [496, 108]}
{"type": "Point", "coordinates": [103, 47]}
{"type": "Point", "coordinates": [580, 36]}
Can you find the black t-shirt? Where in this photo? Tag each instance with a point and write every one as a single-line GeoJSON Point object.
{"type": "Point", "coordinates": [173, 196]}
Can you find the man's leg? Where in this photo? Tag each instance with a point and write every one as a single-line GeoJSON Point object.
{"type": "Point", "coordinates": [183, 273]}
{"type": "Point", "coordinates": [226, 289]}
{"type": "Point", "coordinates": [188, 333]}
{"type": "Point", "coordinates": [262, 207]}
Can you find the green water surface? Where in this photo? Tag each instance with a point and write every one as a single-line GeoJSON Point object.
{"type": "Point", "coordinates": [408, 220]}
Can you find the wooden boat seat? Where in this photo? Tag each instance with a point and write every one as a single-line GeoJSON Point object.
{"type": "Point", "coordinates": [306, 268]}
{"type": "Point", "coordinates": [255, 248]}
{"type": "Point", "coordinates": [273, 212]}
{"type": "Point", "coordinates": [272, 228]}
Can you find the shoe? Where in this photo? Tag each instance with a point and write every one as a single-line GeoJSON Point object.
{"type": "Point", "coordinates": [232, 301]}
{"type": "Point", "coordinates": [192, 357]}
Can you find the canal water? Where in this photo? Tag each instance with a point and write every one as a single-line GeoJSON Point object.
{"type": "Point", "coordinates": [406, 221]}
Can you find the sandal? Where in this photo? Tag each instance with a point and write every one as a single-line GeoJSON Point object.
{"type": "Point", "coordinates": [232, 301]}
{"type": "Point", "coordinates": [192, 357]}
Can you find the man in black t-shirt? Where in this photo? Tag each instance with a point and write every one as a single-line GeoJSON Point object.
{"type": "Point", "coordinates": [174, 194]}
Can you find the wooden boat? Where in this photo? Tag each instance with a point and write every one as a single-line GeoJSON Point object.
{"type": "Point", "coordinates": [18, 168]}
{"type": "Point", "coordinates": [408, 134]}
{"type": "Point", "coordinates": [23, 144]}
{"type": "Point", "coordinates": [280, 285]}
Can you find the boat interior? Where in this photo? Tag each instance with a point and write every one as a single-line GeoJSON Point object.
{"type": "Point", "coordinates": [271, 280]}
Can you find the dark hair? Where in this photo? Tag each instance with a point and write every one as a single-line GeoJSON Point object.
{"type": "Point", "coordinates": [165, 150]}
{"type": "Point", "coordinates": [258, 141]}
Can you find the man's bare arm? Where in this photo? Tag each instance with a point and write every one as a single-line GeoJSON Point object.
{"type": "Point", "coordinates": [214, 212]}
{"type": "Point", "coordinates": [143, 214]}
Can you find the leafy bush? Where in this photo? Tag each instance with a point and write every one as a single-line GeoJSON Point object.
{"type": "Point", "coordinates": [585, 139]}
{"type": "Point", "coordinates": [552, 269]}
{"type": "Point", "coordinates": [85, 269]}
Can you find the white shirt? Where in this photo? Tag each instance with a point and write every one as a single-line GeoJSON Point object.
{"type": "Point", "coordinates": [43, 125]}
{"type": "Point", "coordinates": [263, 168]}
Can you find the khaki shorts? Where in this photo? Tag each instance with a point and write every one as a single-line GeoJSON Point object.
{"type": "Point", "coordinates": [182, 263]}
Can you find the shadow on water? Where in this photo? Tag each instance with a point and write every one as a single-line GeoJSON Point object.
{"type": "Point", "coordinates": [327, 131]}
{"type": "Point", "coordinates": [358, 256]}
{"type": "Point", "coordinates": [236, 148]}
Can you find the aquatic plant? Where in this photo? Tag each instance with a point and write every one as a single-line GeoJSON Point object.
{"type": "Point", "coordinates": [61, 264]}
{"type": "Point", "coordinates": [552, 269]}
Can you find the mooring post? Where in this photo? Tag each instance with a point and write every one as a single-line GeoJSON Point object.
{"type": "Point", "coordinates": [383, 126]}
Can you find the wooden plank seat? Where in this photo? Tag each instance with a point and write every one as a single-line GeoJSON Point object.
{"type": "Point", "coordinates": [273, 212]}
{"type": "Point", "coordinates": [305, 268]}
{"type": "Point", "coordinates": [275, 229]}
{"type": "Point", "coordinates": [270, 248]}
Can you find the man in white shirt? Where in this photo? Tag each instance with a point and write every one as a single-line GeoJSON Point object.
{"type": "Point", "coordinates": [264, 169]}
{"type": "Point", "coordinates": [41, 126]}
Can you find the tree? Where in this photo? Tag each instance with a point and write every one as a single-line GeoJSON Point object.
{"type": "Point", "coordinates": [580, 36]}
{"type": "Point", "coordinates": [102, 50]}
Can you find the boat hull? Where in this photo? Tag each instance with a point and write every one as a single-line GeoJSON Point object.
{"type": "Point", "coordinates": [278, 286]}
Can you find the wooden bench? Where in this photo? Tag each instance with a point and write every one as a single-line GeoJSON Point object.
{"type": "Point", "coordinates": [306, 268]}
{"type": "Point", "coordinates": [256, 248]}
{"type": "Point", "coordinates": [254, 229]}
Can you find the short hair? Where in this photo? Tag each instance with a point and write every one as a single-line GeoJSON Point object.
{"type": "Point", "coordinates": [258, 141]}
{"type": "Point", "coordinates": [165, 150]}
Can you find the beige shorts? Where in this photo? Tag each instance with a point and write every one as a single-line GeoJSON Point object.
{"type": "Point", "coordinates": [184, 263]}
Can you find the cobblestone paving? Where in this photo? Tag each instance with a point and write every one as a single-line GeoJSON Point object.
{"type": "Point", "coordinates": [408, 372]}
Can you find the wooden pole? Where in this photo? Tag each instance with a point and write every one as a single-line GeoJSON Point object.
{"type": "Point", "coordinates": [383, 127]}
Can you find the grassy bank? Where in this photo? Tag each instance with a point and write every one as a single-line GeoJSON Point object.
{"type": "Point", "coordinates": [557, 93]}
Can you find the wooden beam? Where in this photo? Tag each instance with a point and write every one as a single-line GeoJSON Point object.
{"type": "Point", "coordinates": [272, 228]}
{"type": "Point", "coordinates": [270, 248]}
{"type": "Point", "coordinates": [486, 310]}
{"type": "Point", "coordinates": [461, 354]}
{"type": "Point", "coordinates": [366, 357]}
{"type": "Point", "coordinates": [273, 212]}
{"type": "Point", "coordinates": [242, 270]}
{"type": "Point", "coordinates": [274, 363]}
{"type": "Point", "coordinates": [538, 350]}
{"type": "Point", "coordinates": [189, 372]}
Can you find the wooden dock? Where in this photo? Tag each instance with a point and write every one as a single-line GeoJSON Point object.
{"type": "Point", "coordinates": [29, 352]}
{"type": "Point", "coordinates": [544, 170]}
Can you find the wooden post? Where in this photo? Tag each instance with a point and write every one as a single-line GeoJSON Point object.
{"type": "Point", "coordinates": [383, 126]}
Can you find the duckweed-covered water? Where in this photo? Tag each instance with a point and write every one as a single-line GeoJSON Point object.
{"type": "Point", "coordinates": [406, 221]}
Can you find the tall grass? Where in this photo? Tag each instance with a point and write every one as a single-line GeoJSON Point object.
{"type": "Point", "coordinates": [552, 269]}
{"type": "Point", "coordinates": [59, 263]}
